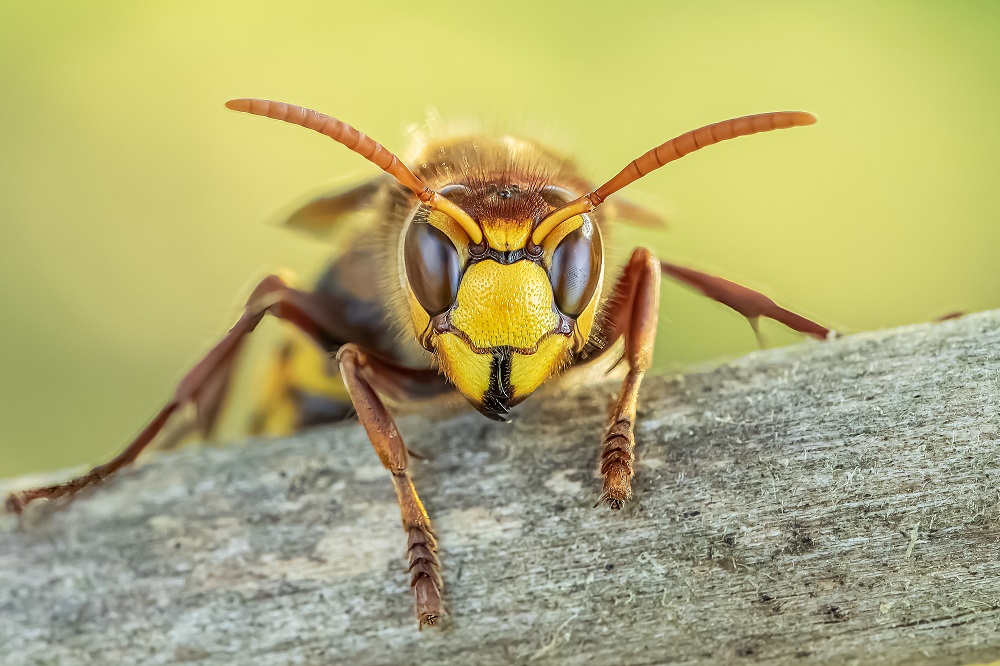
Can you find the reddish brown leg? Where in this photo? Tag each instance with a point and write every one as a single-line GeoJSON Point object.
{"type": "Point", "coordinates": [749, 303]}
{"type": "Point", "coordinates": [204, 385]}
{"type": "Point", "coordinates": [632, 314]}
{"type": "Point", "coordinates": [361, 371]}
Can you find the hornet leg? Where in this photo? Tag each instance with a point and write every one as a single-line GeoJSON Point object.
{"type": "Point", "coordinates": [633, 312]}
{"type": "Point", "coordinates": [749, 303]}
{"type": "Point", "coordinates": [361, 371]}
{"type": "Point", "coordinates": [204, 385]}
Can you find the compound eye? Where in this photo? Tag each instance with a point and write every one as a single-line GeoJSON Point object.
{"type": "Point", "coordinates": [576, 269]}
{"type": "Point", "coordinates": [432, 267]}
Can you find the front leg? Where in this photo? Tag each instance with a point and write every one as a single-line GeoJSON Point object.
{"type": "Point", "coordinates": [360, 372]}
{"type": "Point", "coordinates": [632, 314]}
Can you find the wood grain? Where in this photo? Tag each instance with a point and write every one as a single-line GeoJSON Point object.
{"type": "Point", "coordinates": [826, 503]}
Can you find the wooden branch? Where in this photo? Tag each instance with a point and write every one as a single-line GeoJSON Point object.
{"type": "Point", "coordinates": [830, 503]}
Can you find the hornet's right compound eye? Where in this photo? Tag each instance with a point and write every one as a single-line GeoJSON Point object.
{"type": "Point", "coordinates": [432, 267]}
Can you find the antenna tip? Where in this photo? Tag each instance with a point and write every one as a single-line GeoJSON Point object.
{"type": "Point", "coordinates": [805, 118]}
{"type": "Point", "coordinates": [238, 104]}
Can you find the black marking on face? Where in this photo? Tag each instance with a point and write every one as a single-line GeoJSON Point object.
{"type": "Point", "coordinates": [483, 252]}
{"type": "Point", "coordinates": [497, 400]}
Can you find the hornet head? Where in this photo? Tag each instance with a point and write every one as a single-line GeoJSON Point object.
{"type": "Point", "coordinates": [505, 313]}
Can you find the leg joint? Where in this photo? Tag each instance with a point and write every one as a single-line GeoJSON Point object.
{"type": "Point", "coordinates": [350, 355]}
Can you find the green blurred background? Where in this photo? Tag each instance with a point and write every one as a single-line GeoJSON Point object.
{"type": "Point", "coordinates": [136, 212]}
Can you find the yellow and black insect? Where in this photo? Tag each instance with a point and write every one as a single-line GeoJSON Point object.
{"type": "Point", "coordinates": [483, 274]}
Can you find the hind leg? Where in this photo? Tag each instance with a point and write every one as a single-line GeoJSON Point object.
{"type": "Point", "coordinates": [751, 304]}
{"type": "Point", "coordinates": [205, 384]}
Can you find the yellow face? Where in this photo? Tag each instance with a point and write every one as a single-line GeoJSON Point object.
{"type": "Point", "coordinates": [502, 316]}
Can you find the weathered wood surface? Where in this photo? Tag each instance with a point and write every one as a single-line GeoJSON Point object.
{"type": "Point", "coordinates": [833, 503]}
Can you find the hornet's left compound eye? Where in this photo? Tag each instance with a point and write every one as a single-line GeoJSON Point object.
{"type": "Point", "coordinates": [576, 269]}
{"type": "Point", "coordinates": [432, 267]}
